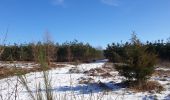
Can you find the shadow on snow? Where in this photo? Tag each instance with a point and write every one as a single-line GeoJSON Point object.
{"type": "Point", "coordinates": [91, 88]}
{"type": "Point", "coordinates": [87, 88]}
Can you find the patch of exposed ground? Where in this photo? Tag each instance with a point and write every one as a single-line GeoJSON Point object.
{"type": "Point", "coordinates": [163, 64]}
{"type": "Point", "coordinates": [162, 73]}
{"type": "Point", "coordinates": [104, 71]}
{"type": "Point", "coordinates": [12, 69]}
{"type": "Point", "coordinates": [150, 86]}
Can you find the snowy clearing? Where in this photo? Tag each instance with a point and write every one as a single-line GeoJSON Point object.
{"type": "Point", "coordinates": [68, 83]}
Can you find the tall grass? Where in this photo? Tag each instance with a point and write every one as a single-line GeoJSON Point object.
{"type": "Point", "coordinates": [48, 95]}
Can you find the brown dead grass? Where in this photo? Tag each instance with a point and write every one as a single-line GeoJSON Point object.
{"type": "Point", "coordinates": [104, 71]}
{"type": "Point", "coordinates": [161, 73]}
{"type": "Point", "coordinates": [86, 80]}
{"type": "Point", "coordinates": [95, 72]}
{"type": "Point", "coordinates": [12, 71]}
{"type": "Point", "coordinates": [106, 75]}
{"type": "Point", "coordinates": [150, 86]}
{"type": "Point", "coordinates": [165, 64]}
{"type": "Point", "coordinates": [6, 72]}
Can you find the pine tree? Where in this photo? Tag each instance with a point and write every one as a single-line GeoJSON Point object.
{"type": "Point", "coordinates": [139, 64]}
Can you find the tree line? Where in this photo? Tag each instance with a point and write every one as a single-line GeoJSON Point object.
{"type": "Point", "coordinates": [117, 52]}
{"type": "Point", "coordinates": [66, 52]}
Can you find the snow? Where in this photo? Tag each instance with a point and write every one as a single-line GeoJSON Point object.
{"type": "Point", "coordinates": [18, 64]}
{"type": "Point", "coordinates": [164, 69]}
{"type": "Point", "coordinates": [65, 86]}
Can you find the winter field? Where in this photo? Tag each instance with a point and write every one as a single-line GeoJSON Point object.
{"type": "Point", "coordinates": [87, 81]}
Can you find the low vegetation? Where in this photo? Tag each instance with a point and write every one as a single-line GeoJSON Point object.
{"type": "Point", "coordinates": [12, 71]}
{"type": "Point", "coordinates": [42, 56]}
{"type": "Point", "coordinates": [150, 86]}
{"type": "Point", "coordinates": [135, 62]}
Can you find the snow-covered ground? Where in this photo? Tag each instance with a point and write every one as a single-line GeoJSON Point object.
{"type": "Point", "coordinates": [66, 85]}
{"type": "Point", "coordinates": [18, 64]}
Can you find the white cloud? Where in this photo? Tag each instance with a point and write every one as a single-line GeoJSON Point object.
{"type": "Point", "coordinates": [110, 2]}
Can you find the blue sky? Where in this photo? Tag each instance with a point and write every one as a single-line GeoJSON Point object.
{"type": "Point", "coordinates": [98, 22]}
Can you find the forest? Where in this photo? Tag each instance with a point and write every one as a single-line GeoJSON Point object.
{"type": "Point", "coordinates": [66, 52]}
{"type": "Point", "coordinates": [117, 52]}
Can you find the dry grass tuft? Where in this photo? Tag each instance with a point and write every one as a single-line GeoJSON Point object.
{"type": "Point", "coordinates": [105, 75]}
{"type": "Point", "coordinates": [104, 71]}
{"type": "Point", "coordinates": [150, 86]}
{"type": "Point", "coordinates": [83, 80]}
{"type": "Point", "coordinates": [94, 72]}
{"type": "Point", "coordinates": [165, 64]}
{"type": "Point", "coordinates": [162, 73]}
{"type": "Point", "coordinates": [6, 72]}
{"type": "Point", "coordinates": [12, 71]}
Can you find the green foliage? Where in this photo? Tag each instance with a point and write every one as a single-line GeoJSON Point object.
{"type": "Point", "coordinates": [68, 51]}
{"type": "Point", "coordinates": [77, 51]}
{"type": "Point", "coordinates": [160, 48]}
{"type": "Point", "coordinates": [17, 52]}
{"type": "Point", "coordinates": [115, 53]}
{"type": "Point", "coordinates": [138, 63]}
